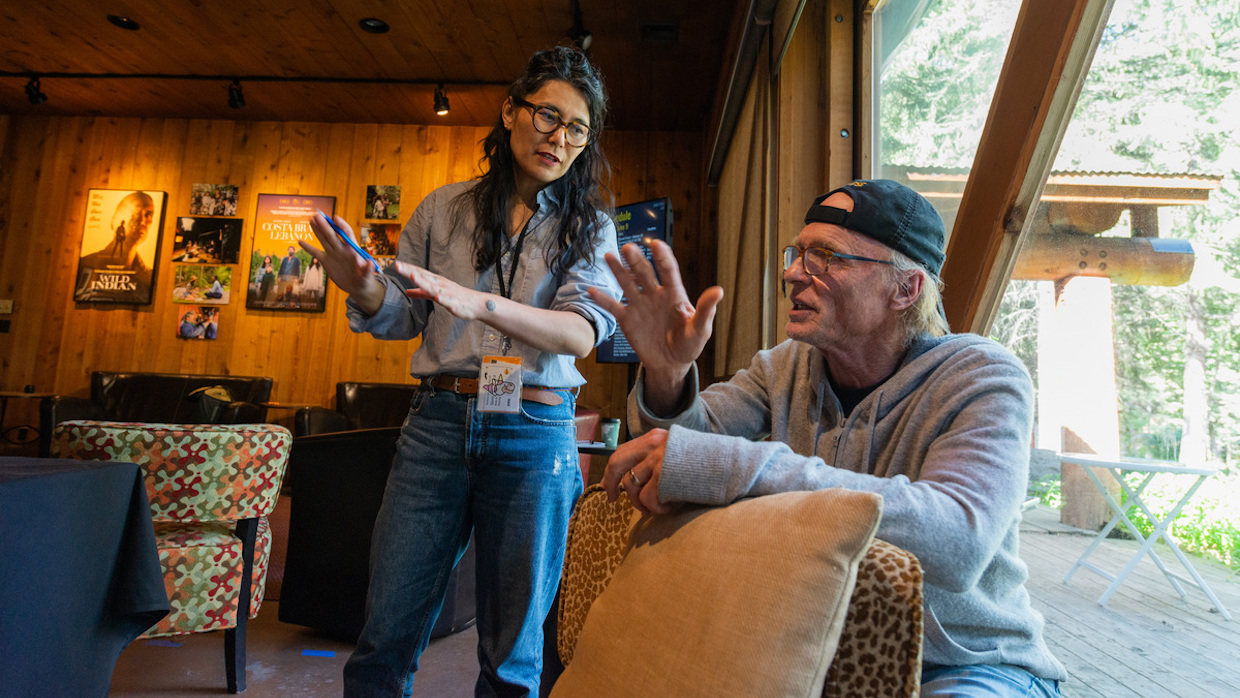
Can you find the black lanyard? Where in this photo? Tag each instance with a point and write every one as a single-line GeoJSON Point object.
{"type": "Point", "coordinates": [516, 259]}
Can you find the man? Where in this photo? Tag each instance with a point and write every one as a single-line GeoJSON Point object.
{"type": "Point", "coordinates": [868, 393]}
{"type": "Point", "coordinates": [290, 273]}
{"type": "Point", "coordinates": [191, 326]}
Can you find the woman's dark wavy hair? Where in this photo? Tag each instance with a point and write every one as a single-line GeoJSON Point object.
{"type": "Point", "coordinates": [580, 191]}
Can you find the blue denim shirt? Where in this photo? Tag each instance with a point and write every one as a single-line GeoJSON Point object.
{"type": "Point", "coordinates": [439, 237]}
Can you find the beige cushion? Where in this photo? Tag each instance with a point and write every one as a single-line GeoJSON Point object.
{"type": "Point", "coordinates": [742, 600]}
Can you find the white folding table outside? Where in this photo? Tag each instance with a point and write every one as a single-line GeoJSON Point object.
{"type": "Point", "coordinates": [1150, 468]}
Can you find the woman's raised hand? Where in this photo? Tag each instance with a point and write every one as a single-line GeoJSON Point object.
{"type": "Point", "coordinates": [346, 268]}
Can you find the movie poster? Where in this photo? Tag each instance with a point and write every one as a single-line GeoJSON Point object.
{"type": "Point", "coordinates": [282, 275]}
{"type": "Point", "coordinates": [207, 240]}
{"type": "Point", "coordinates": [120, 246]}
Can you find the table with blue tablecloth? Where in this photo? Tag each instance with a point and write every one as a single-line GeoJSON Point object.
{"type": "Point", "coordinates": [79, 573]}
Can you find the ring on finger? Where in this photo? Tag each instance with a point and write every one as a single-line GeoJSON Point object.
{"type": "Point", "coordinates": [636, 480]}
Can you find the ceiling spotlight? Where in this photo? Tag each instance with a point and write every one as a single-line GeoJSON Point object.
{"type": "Point", "coordinates": [441, 101]}
{"type": "Point", "coordinates": [236, 99]}
{"type": "Point", "coordinates": [373, 25]}
{"type": "Point", "coordinates": [582, 38]}
{"type": "Point", "coordinates": [33, 93]}
{"type": "Point", "coordinates": [124, 22]}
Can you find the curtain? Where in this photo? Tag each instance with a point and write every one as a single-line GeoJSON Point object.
{"type": "Point", "coordinates": [742, 217]}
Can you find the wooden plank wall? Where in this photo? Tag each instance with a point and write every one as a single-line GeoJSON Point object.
{"type": "Point", "coordinates": [47, 164]}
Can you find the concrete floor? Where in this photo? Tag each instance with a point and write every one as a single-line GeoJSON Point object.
{"type": "Point", "coordinates": [283, 660]}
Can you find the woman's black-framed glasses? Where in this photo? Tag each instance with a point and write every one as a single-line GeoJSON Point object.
{"type": "Point", "coordinates": [816, 260]}
{"type": "Point", "coordinates": [548, 120]}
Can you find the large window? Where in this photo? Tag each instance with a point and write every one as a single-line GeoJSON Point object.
{"type": "Point", "coordinates": [935, 64]}
{"type": "Point", "coordinates": [1146, 173]}
{"type": "Point", "coordinates": [1147, 169]}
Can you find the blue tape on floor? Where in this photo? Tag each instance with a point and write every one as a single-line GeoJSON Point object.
{"type": "Point", "coordinates": [318, 653]}
{"type": "Point", "coordinates": [162, 643]}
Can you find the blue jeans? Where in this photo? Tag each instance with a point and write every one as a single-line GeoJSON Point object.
{"type": "Point", "coordinates": [512, 479]}
{"type": "Point", "coordinates": [985, 681]}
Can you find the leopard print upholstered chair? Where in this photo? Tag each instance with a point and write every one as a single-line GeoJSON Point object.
{"type": "Point", "coordinates": [879, 654]}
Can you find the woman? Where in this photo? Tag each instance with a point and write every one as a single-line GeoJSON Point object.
{"type": "Point", "coordinates": [312, 284]}
{"type": "Point", "coordinates": [217, 289]}
{"type": "Point", "coordinates": [267, 277]}
{"type": "Point", "coordinates": [504, 263]}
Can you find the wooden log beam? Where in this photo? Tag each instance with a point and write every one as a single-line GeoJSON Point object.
{"type": "Point", "coordinates": [1125, 261]}
{"type": "Point", "coordinates": [1050, 52]}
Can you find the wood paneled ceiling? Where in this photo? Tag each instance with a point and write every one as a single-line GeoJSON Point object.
{"type": "Point", "coordinates": [661, 59]}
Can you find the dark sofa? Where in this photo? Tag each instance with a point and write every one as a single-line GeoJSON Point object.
{"type": "Point", "coordinates": [337, 473]}
{"type": "Point", "coordinates": [157, 397]}
{"type": "Point", "coordinates": [358, 406]}
{"type": "Point", "coordinates": [338, 486]}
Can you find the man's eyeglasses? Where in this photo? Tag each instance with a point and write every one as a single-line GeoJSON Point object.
{"type": "Point", "coordinates": [548, 120]}
{"type": "Point", "coordinates": [816, 260]}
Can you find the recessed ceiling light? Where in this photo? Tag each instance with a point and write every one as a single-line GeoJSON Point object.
{"type": "Point", "coordinates": [664, 34]}
{"type": "Point", "coordinates": [124, 22]}
{"type": "Point", "coordinates": [374, 25]}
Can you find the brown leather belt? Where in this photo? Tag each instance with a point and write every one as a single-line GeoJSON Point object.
{"type": "Point", "coordinates": [469, 386]}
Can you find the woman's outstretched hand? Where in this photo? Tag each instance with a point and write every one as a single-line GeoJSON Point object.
{"type": "Point", "coordinates": [465, 303]}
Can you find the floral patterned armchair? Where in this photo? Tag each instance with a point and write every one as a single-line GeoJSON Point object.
{"type": "Point", "coordinates": [210, 489]}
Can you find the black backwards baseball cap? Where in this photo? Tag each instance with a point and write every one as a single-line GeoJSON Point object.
{"type": "Point", "coordinates": [892, 214]}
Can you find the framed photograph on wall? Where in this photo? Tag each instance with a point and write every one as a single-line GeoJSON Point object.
{"type": "Point", "coordinates": [120, 246]}
{"type": "Point", "coordinates": [379, 239]}
{"type": "Point", "coordinates": [198, 322]}
{"type": "Point", "coordinates": [282, 276]}
{"type": "Point", "coordinates": [213, 200]}
{"type": "Point", "coordinates": [383, 202]}
{"type": "Point", "coordinates": [207, 240]}
{"type": "Point", "coordinates": [195, 283]}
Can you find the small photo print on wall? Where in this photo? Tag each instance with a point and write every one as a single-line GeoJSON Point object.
{"type": "Point", "coordinates": [282, 275]}
{"type": "Point", "coordinates": [213, 200]}
{"type": "Point", "coordinates": [120, 245]}
{"type": "Point", "coordinates": [194, 283]}
{"type": "Point", "coordinates": [199, 322]}
{"type": "Point", "coordinates": [382, 202]}
{"type": "Point", "coordinates": [208, 240]}
{"type": "Point", "coordinates": [379, 239]}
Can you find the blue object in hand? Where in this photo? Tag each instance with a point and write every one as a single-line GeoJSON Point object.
{"type": "Point", "coordinates": [349, 241]}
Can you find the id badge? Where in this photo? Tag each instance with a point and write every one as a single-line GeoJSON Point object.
{"type": "Point", "coordinates": [499, 384]}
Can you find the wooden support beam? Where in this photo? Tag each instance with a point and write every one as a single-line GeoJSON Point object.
{"type": "Point", "coordinates": [1050, 52]}
{"type": "Point", "coordinates": [1125, 261]}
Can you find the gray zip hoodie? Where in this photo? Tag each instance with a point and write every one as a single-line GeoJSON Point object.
{"type": "Point", "coordinates": [945, 441]}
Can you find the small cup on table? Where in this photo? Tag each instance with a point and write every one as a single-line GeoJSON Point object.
{"type": "Point", "coordinates": [610, 429]}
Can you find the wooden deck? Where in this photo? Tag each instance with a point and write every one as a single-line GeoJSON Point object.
{"type": "Point", "coordinates": [1146, 641]}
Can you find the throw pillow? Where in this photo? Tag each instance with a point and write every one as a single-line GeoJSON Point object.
{"type": "Point", "coordinates": [743, 600]}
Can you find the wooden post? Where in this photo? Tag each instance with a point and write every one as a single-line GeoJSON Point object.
{"type": "Point", "coordinates": [1076, 369]}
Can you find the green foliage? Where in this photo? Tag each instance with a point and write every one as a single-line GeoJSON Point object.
{"type": "Point", "coordinates": [937, 86]}
{"type": "Point", "coordinates": [1016, 324]}
{"type": "Point", "coordinates": [1207, 525]}
{"type": "Point", "coordinates": [1048, 490]}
